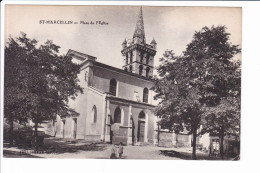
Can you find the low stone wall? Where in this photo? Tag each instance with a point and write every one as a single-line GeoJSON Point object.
{"type": "Point", "coordinates": [165, 139]}
{"type": "Point", "coordinates": [182, 140]}
{"type": "Point", "coordinates": [94, 138]}
{"type": "Point", "coordinates": [170, 139]}
{"type": "Point", "coordinates": [120, 135]}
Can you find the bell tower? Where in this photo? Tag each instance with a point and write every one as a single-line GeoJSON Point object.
{"type": "Point", "coordinates": [139, 56]}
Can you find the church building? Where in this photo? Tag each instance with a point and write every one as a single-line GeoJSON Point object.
{"type": "Point", "coordinates": [117, 104]}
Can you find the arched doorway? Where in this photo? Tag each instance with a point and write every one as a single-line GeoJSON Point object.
{"type": "Point", "coordinates": [116, 122]}
{"type": "Point", "coordinates": [141, 127]}
{"type": "Point", "coordinates": [117, 116]}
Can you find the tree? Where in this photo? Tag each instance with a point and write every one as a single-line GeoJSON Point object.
{"type": "Point", "coordinates": [211, 48]}
{"type": "Point", "coordinates": [180, 106]}
{"type": "Point", "coordinates": [190, 84]}
{"type": "Point", "coordinates": [38, 81]}
{"type": "Point", "coordinates": [224, 119]}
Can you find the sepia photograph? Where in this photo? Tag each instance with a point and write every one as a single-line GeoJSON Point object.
{"type": "Point", "coordinates": [122, 82]}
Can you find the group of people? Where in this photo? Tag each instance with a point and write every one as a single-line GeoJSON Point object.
{"type": "Point", "coordinates": [117, 151]}
{"type": "Point", "coordinates": [213, 152]}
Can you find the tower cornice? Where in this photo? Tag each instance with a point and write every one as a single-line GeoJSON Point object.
{"type": "Point", "coordinates": [145, 47]}
{"type": "Point", "coordinates": [147, 65]}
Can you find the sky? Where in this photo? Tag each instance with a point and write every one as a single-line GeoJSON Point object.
{"type": "Point", "coordinates": [171, 27]}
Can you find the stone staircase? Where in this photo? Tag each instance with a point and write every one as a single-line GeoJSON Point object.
{"type": "Point", "coordinates": [142, 144]}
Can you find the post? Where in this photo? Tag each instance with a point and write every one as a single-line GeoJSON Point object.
{"type": "Point", "coordinates": [158, 133]}
{"type": "Point", "coordinates": [176, 139]}
{"type": "Point", "coordinates": [221, 144]}
{"type": "Point", "coordinates": [194, 144]}
{"type": "Point", "coordinates": [11, 133]}
{"type": "Point", "coordinates": [36, 135]}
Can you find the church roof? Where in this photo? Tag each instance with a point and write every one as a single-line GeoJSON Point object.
{"type": "Point", "coordinates": [123, 100]}
{"type": "Point", "coordinates": [122, 71]}
{"type": "Point", "coordinates": [85, 57]}
{"type": "Point", "coordinates": [119, 99]}
{"type": "Point", "coordinates": [139, 28]}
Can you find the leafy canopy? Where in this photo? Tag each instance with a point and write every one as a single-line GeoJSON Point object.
{"type": "Point", "coordinates": [191, 85]}
{"type": "Point", "coordinates": [38, 82]}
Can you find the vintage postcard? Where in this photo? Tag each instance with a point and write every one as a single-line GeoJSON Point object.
{"type": "Point", "coordinates": [122, 82]}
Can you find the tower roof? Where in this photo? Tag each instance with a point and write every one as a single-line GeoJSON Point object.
{"type": "Point", "coordinates": [124, 42]}
{"type": "Point", "coordinates": [153, 41]}
{"type": "Point", "coordinates": [139, 28]}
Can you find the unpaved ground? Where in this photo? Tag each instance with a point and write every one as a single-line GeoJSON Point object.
{"type": "Point", "coordinates": [130, 152]}
{"type": "Point", "coordinates": [58, 148]}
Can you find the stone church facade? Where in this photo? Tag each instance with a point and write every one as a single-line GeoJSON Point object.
{"type": "Point", "coordinates": [117, 104]}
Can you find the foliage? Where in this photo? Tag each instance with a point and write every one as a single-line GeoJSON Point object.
{"type": "Point", "coordinates": [38, 82]}
{"type": "Point", "coordinates": [192, 85]}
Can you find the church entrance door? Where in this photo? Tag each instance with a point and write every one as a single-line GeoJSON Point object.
{"type": "Point", "coordinates": [141, 130]}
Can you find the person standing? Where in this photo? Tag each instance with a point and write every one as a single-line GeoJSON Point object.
{"type": "Point", "coordinates": [210, 148]}
{"type": "Point", "coordinates": [120, 150]}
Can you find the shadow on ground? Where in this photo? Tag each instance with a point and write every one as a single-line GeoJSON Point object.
{"type": "Point", "coordinates": [59, 146]}
{"type": "Point", "coordinates": [53, 146]}
{"type": "Point", "coordinates": [180, 155]}
{"type": "Point", "coordinates": [184, 155]}
{"type": "Point", "coordinates": [187, 156]}
{"type": "Point", "coordinates": [17, 154]}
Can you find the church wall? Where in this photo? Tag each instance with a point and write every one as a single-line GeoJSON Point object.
{"type": "Point", "coordinates": [83, 104]}
{"type": "Point", "coordinates": [121, 135]}
{"type": "Point", "coordinates": [151, 119]}
{"type": "Point", "coordinates": [137, 56]}
{"type": "Point", "coordinates": [149, 123]}
{"type": "Point", "coordinates": [94, 130]}
{"type": "Point", "coordinates": [64, 127]}
{"type": "Point", "coordinates": [123, 107]}
{"type": "Point", "coordinates": [86, 128]}
{"type": "Point", "coordinates": [151, 61]}
{"type": "Point", "coordinates": [126, 85]}
{"type": "Point", "coordinates": [58, 127]}
{"type": "Point", "coordinates": [80, 106]}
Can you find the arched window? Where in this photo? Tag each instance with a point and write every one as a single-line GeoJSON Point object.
{"type": "Point", "coordinates": [140, 70]}
{"type": "Point", "coordinates": [145, 95]}
{"type": "Point", "coordinates": [117, 116]}
{"type": "Point", "coordinates": [113, 85]}
{"type": "Point", "coordinates": [141, 115]}
{"type": "Point", "coordinates": [142, 57]}
{"type": "Point", "coordinates": [147, 59]}
{"type": "Point", "coordinates": [147, 71]}
{"type": "Point", "coordinates": [126, 58]}
{"type": "Point", "coordinates": [94, 114]}
{"type": "Point", "coordinates": [130, 68]}
{"type": "Point", "coordinates": [131, 57]}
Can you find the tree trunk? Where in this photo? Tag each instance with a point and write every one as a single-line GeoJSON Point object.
{"type": "Point", "coordinates": [176, 139]}
{"type": "Point", "coordinates": [36, 135]}
{"type": "Point", "coordinates": [194, 135]}
{"type": "Point", "coordinates": [158, 135]}
{"type": "Point", "coordinates": [221, 145]}
{"type": "Point", "coordinates": [11, 133]}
